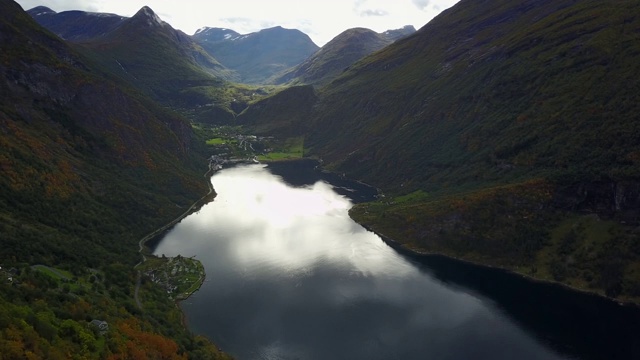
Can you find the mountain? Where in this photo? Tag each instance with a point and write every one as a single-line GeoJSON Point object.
{"type": "Point", "coordinates": [157, 59]}
{"type": "Point", "coordinates": [76, 25]}
{"type": "Point", "coordinates": [338, 54]}
{"type": "Point", "coordinates": [275, 114]}
{"type": "Point", "coordinates": [87, 27]}
{"type": "Point", "coordinates": [490, 90]}
{"type": "Point", "coordinates": [397, 34]}
{"type": "Point", "coordinates": [214, 35]}
{"type": "Point", "coordinates": [502, 132]}
{"type": "Point", "coordinates": [146, 53]}
{"type": "Point", "coordinates": [66, 124]}
{"type": "Point", "coordinates": [260, 55]}
{"type": "Point", "coordinates": [88, 168]}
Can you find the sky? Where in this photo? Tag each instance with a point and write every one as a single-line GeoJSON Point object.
{"type": "Point", "coordinates": [322, 20]}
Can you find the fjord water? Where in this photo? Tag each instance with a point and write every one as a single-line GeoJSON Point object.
{"type": "Point", "coordinates": [291, 276]}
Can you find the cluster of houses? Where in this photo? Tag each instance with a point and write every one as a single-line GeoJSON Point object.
{"type": "Point", "coordinates": [245, 142]}
{"type": "Point", "coordinates": [161, 277]}
{"type": "Point", "coordinates": [169, 276]}
{"type": "Point", "coordinates": [217, 161]}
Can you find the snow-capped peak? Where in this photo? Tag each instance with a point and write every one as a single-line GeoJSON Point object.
{"type": "Point", "coordinates": [214, 34]}
{"type": "Point", "coordinates": [40, 10]}
{"type": "Point", "coordinates": [205, 28]}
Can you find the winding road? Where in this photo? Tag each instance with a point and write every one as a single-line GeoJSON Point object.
{"type": "Point", "coordinates": [141, 247]}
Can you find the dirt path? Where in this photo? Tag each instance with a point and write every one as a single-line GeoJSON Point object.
{"type": "Point", "coordinates": [135, 294]}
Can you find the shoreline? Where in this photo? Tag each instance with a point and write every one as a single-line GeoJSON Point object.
{"type": "Point", "coordinates": [142, 248]}
{"type": "Point", "coordinates": [398, 246]}
{"type": "Point", "coordinates": [153, 234]}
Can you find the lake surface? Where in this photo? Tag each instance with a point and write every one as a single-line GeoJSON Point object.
{"type": "Point", "coordinates": [291, 276]}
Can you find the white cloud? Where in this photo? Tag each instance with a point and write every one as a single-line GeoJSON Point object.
{"type": "Point", "coordinates": [376, 12]}
{"type": "Point", "coordinates": [322, 20]}
{"type": "Point", "coordinates": [421, 4]}
{"type": "Point", "coordinates": [61, 5]}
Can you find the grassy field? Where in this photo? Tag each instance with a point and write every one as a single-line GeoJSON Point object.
{"type": "Point", "coordinates": [65, 280]}
{"type": "Point", "coordinates": [216, 141]}
{"type": "Point", "coordinates": [57, 274]}
{"type": "Point", "coordinates": [290, 149]}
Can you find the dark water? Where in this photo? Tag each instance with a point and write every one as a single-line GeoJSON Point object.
{"type": "Point", "coordinates": [290, 276]}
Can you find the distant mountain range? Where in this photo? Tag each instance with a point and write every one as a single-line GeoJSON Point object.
{"type": "Point", "coordinates": [215, 35]}
{"type": "Point", "coordinates": [156, 58]}
{"type": "Point", "coordinates": [257, 56]}
{"type": "Point", "coordinates": [254, 58]}
{"type": "Point", "coordinates": [76, 25]}
{"type": "Point", "coordinates": [338, 54]}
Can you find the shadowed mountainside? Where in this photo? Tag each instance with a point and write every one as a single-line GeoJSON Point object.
{"type": "Point", "coordinates": [276, 116]}
{"type": "Point", "coordinates": [503, 132]}
{"type": "Point", "coordinates": [76, 25]}
{"type": "Point", "coordinates": [154, 57]}
{"type": "Point", "coordinates": [75, 140]}
{"type": "Point", "coordinates": [88, 169]}
{"type": "Point", "coordinates": [258, 56]}
{"type": "Point", "coordinates": [338, 54]}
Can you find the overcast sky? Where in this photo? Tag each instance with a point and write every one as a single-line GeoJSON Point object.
{"type": "Point", "coordinates": [322, 20]}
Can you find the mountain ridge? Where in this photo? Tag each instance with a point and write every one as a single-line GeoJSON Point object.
{"type": "Point", "coordinates": [213, 34]}
{"type": "Point", "coordinates": [338, 54]}
{"type": "Point", "coordinates": [259, 55]}
{"type": "Point", "coordinates": [76, 25]}
{"type": "Point", "coordinates": [157, 59]}
{"type": "Point", "coordinates": [493, 130]}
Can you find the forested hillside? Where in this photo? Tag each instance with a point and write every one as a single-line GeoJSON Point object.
{"type": "Point", "coordinates": [88, 169]}
{"type": "Point", "coordinates": [502, 132]}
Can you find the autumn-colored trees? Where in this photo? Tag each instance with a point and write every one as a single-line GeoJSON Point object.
{"type": "Point", "coordinates": [131, 342]}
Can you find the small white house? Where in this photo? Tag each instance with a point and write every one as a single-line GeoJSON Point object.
{"type": "Point", "coordinates": [103, 326]}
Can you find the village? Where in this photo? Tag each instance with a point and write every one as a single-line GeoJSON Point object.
{"type": "Point", "coordinates": [179, 276]}
{"type": "Point", "coordinates": [230, 148]}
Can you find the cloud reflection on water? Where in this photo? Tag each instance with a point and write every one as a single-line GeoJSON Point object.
{"type": "Point", "coordinates": [289, 274]}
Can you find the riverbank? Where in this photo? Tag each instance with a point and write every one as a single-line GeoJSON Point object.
{"type": "Point", "coordinates": [194, 207]}
{"type": "Point", "coordinates": [412, 252]}
{"type": "Point", "coordinates": [146, 253]}
{"type": "Point", "coordinates": [311, 264]}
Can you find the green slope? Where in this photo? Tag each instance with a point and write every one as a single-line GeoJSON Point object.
{"type": "Point", "coordinates": [155, 58]}
{"type": "Point", "coordinates": [258, 56]}
{"type": "Point", "coordinates": [334, 57]}
{"type": "Point", "coordinates": [494, 129]}
{"type": "Point", "coordinates": [534, 88]}
{"type": "Point", "coordinates": [284, 113]}
{"type": "Point", "coordinates": [88, 169]}
{"type": "Point", "coordinates": [147, 54]}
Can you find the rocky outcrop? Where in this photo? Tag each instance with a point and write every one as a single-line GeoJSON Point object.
{"type": "Point", "coordinates": [607, 198]}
